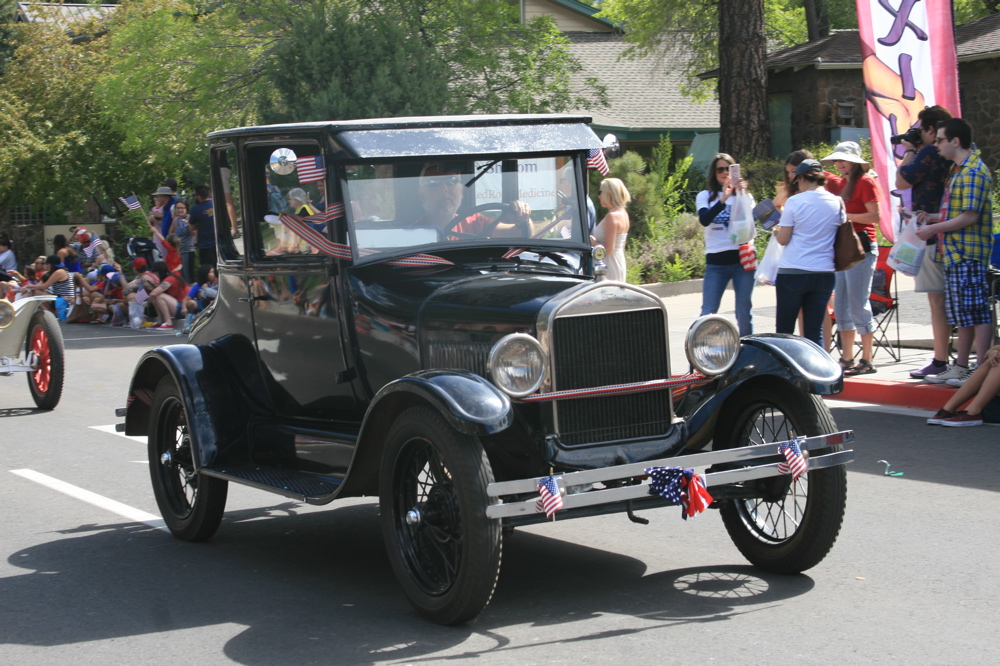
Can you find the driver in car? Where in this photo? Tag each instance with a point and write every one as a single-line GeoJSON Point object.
{"type": "Point", "coordinates": [441, 190]}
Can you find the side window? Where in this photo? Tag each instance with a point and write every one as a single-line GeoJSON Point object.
{"type": "Point", "coordinates": [226, 186]}
{"type": "Point", "coordinates": [288, 178]}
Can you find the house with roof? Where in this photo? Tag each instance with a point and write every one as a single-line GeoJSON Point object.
{"type": "Point", "coordinates": [644, 95]}
{"type": "Point", "coordinates": [816, 90]}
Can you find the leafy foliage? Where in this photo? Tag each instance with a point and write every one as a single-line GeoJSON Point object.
{"type": "Point", "coordinates": [340, 64]}
{"type": "Point", "coordinates": [58, 149]}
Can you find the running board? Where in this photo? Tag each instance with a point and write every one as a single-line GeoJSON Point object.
{"type": "Point", "coordinates": [303, 487]}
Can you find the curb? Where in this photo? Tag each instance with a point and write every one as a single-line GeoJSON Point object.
{"type": "Point", "coordinates": [899, 394]}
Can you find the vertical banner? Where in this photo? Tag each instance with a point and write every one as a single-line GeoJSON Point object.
{"type": "Point", "coordinates": [908, 47]}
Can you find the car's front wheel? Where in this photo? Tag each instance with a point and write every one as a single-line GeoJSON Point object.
{"type": "Point", "coordinates": [443, 549]}
{"type": "Point", "coordinates": [786, 526]}
{"type": "Point", "coordinates": [191, 504]}
{"type": "Point", "coordinates": [46, 343]}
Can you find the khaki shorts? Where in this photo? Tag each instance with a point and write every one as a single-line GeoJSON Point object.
{"type": "Point", "coordinates": [930, 279]}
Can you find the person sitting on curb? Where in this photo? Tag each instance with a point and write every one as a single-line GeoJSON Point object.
{"type": "Point", "coordinates": [983, 388]}
{"type": "Point", "coordinates": [168, 296]}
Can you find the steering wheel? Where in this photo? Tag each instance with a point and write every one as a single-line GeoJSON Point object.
{"type": "Point", "coordinates": [504, 209]}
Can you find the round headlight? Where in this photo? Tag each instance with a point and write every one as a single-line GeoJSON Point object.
{"type": "Point", "coordinates": [6, 313]}
{"type": "Point", "coordinates": [517, 365]}
{"type": "Point", "coordinates": [712, 344]}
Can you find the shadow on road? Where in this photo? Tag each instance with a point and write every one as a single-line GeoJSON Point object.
{"type": "Point", "coordinates": [317, 587]}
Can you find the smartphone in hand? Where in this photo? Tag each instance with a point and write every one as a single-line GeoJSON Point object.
{"type": "Point", "coordinates": [734, 175]}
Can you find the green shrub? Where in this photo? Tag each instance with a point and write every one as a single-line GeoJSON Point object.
{"type": "Point", "coordinates": [674, 250]}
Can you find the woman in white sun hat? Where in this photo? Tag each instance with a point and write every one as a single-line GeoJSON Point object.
{"type": "Point", "coordinates": [860, 193]}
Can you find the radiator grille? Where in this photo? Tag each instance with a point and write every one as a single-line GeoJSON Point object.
{"type": "Point", "coordinates": [611, 348]}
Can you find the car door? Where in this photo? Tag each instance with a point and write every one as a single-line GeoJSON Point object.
{"type": "Point", "coordinates": [293, 290]}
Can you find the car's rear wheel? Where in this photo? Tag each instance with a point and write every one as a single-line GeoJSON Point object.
{"type": "Point", "coordinates": [191, 504]}
{"type": "Point", "coordinates": [787, 526]}
{"type": "Point", "coordinates": [46, 343]}
{"type": "Point", "coordinates": [443, 549]}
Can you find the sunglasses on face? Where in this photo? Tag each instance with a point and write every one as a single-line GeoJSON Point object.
{"type": "Point", "coordinates": [439, 181]}
{"type": "Point", "coordinates": [722, 169]}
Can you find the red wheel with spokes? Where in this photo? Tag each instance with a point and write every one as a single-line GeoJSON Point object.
{"type": "Point", "coordinates": [45, 344]}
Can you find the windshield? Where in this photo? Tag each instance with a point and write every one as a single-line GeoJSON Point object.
{"type": "Point", "coordinates": [399, 205]}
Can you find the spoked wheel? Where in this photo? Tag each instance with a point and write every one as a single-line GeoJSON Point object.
{"type": "Point", "coordinates": [443, 549]}
{"type": "Point", "coordinates": [191, 504]}
{"type": "Point", "coordinates": [786, 526]}
{"type": "Point", "coordinates": [45, 342]}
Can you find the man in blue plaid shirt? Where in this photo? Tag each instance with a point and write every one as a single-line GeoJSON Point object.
{"type": "Point", "coordinates": [966, 227]}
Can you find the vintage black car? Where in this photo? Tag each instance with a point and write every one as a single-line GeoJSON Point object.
{"type": "Point", "coordinates": [412, 309]}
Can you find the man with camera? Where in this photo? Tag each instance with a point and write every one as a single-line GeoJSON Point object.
{"type": "Point", "coordinates": [925, 171]}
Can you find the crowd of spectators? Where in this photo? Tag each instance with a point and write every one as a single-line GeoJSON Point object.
{"type": "Point", "coordinates": [144, 292]}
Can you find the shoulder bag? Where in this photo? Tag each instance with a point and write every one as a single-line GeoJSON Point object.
{"type": "Point", "coordinates": [847, 250]}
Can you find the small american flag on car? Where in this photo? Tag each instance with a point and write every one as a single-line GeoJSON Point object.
{"type": "Point", "coordinates": [795, 463]}
{"type": "Point", "coordinates": [131, 201]}
{"type": "Point", "coordinates": [595, 160]}
{"type": "Point", "coordinates": [550, 499]}
{"type": "Point", "coordinates": [310, 169]}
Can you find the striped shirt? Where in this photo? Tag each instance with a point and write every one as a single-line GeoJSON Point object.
{"type": "Point", "coordinates": [64, 288]}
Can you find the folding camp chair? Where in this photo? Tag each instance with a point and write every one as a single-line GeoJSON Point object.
{"type": "Point", "coordinates": [884, 300]}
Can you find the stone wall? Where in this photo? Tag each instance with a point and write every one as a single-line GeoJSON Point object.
{"type": "Point", "coordinates": [980, 96]}
{"type": "Point", "coordinates": [814, 92]}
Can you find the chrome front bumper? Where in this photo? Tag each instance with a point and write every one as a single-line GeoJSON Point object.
{"type": "Point", "coordinates": [578, 492]}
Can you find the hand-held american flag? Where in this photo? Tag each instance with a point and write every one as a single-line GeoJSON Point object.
{"type": "Point", "coordinates": [94, 244]}
{"type": "Point", "coordinates": [595, 160]}
{"type": "Point", "coordinates": [141, 296]}
{"type": "Point", "coordinates": [550, 499]}
{"type": "Point", "coordinates": [131, 202]}
{"type": "Point", "coordinates": [795, 463]}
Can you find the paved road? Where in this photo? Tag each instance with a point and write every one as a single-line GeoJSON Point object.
{"type": "Point", "coordinates": [913, 579]}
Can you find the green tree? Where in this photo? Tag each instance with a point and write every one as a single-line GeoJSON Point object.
{"type": "Point", "coordinates": [7, 8]}
{"type": "Point", "coordinates": [341, 64]}
{"type": "Point", "coordinates": [734, 39]}
{"type": "Point", "coordinates": [58, 150]}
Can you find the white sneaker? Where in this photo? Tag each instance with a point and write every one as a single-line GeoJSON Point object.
{"type": "Point", "coordinates": [958, 381]}
{"type": "Point", "coordinates": [952, 372]}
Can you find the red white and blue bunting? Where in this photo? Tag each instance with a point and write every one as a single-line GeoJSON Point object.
{"type": "Point", "coordinates": [680, 487]}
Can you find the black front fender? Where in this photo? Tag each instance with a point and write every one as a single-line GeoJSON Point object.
{"type": "Point", "coordinates": [471, 404]}
{"type": "Point", "coordinates": [216, 416]}
{"type": "Point", "coordinates": [767, 357]}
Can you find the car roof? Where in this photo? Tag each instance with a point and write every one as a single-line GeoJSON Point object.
{"type": "Point", "coordinates": [439, 135]}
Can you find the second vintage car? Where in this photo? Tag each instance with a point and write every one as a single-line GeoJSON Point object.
{"type": "Point", "coordinates": [412, 310]}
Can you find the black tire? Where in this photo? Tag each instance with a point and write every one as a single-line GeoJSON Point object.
{"type": "Point", "coordinates": [191, 504]}
{"type": "Point", "coordinates": [789, 526]}
{"type": "Point", "coordinates": [443, 549]}
{"type": "Point", "coordinates": [46, 341]}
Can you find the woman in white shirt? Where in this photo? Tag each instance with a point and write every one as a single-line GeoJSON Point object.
{"type": "Point", "coordinates": [722, 258]}
{"type": "Point", "coordinates": [806, 275]}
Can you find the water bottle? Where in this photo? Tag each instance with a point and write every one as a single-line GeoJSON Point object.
{"type": "Point", "coordinates": [61, 307]}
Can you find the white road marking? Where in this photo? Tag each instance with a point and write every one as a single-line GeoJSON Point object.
{"type": "Point", "coordinates": [111, 429]}
{"type": "Point", "coordinates": [123, 510]}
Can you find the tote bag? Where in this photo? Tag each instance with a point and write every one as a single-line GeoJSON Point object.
{"type": "Point", "coordinates": [847, 250]}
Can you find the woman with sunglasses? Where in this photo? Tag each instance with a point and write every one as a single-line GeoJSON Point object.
{"type": "Point", "coordinates": [722, 258]}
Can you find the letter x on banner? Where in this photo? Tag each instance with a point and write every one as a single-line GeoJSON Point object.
{"type": "Point", "coordinates": [908, 48]}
